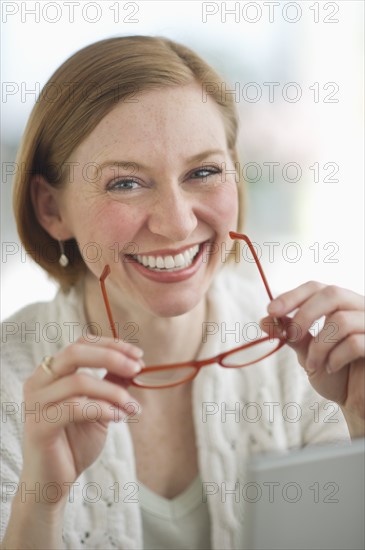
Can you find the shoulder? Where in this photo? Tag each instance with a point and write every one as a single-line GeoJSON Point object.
{"type": "Point", "coordinates": [39, 329]}
{"type": "Point", "coordinates": [64, 301]}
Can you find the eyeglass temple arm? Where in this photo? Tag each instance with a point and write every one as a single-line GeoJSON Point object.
{"type": "Point", "coordinates": [235, 235]}
{"type": "Point", "coordinates": [103, 276]}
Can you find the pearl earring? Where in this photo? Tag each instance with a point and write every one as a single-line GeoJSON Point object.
{"type": "Point", "coordinates": [63, 260]}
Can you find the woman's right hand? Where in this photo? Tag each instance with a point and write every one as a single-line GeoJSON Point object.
{"type": "Point", "coordinates": [78, 407]}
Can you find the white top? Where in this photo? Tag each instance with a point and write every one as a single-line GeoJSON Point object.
{"type": "Point", "coordinates": [179, 523]}
{"type": "Point", "coordinates": [224, 441]}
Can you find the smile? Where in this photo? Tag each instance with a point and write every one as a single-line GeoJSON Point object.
{"type": "Point", "coordinates": [168, 263]}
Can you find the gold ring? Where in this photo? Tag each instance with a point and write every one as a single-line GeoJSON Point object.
{"type": "Point", "coordinates": [47, 365]}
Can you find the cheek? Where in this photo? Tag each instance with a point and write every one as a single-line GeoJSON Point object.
{"type": "Point", "coordinates": [109, 225]}
{"type": "Point", "coordinates": [222, 206]}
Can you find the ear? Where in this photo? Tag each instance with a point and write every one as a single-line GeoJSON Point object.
{"type": "Point", "coordinates": [46, 202]}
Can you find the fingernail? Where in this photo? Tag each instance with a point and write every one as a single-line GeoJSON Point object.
{"type": "Point", "coordinates": [139, 352]}
{"type": "Point", "coordinates": [329, 369]}
{"type": "Point", "coordinates": [133, 365]}
{"type": "Point", "coordinates": [136, 367]}
{"type": "Point", "coordinates": [311, 366]}
{"type": "Point", "coordinates": [136, 352]}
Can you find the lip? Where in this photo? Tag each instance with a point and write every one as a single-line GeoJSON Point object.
{"type": "Point", "coordinates": [173, 276]}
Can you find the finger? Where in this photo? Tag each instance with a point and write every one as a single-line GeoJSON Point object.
{"type": "Point", "coordinates": [106, 412]}
{"type": "Point", "coordinates": [127, 348]}
{"type": "Point", "coordinates": [275, 330]}
{"type": "Point", "coordinates": [337, 327]}
{"type": "Point", "coordinates": [95, 356]}
{"type": "Point", "coordinates": [350, 349]}
{"type": "Point", "coordinates": [290, 331]}
{"type": "Point", "coordinates": [81, 355]}
{"type": "Point", "coordinates": [80, 386]}
{"type": "Point", "coordinates": [288, 301]}
{"type": "Point", "coordinates": [325, 302]}
{"type": "Point", "coordinates": [109, 412]}
{"type": "Point", "coordinates": [57, 416]}
{"type": "Point", "coordinates": [292, 334]}
{"type": "Point", "coordinates": [44, 370]}
{"type": "Point", "coordinates": [331, 296]}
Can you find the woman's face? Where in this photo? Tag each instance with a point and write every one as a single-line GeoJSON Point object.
{"type": "Point", "coordinates": [153, 194]}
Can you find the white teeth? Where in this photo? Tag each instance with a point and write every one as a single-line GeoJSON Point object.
{"type": "Point", "coordinates": [159, 262]}
{"type": "Point", "coordinates": [181, 260]}
{"type": "Point", "coordinates": [187, 256]}
{"type": "Point", "coordinates": [169, 262]}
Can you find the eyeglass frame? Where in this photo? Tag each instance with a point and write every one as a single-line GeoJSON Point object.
{"type": "Point", "coordinates": [196, 364]}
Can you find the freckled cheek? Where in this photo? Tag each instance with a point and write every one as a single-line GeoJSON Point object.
{"type": "Point", "coordinates": [115, 223]}
{"type": "Point", "coordinates": [222, 207]}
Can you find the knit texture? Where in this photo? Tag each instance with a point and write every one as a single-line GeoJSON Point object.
{"type": "Point", "coordinates": [268, 406]}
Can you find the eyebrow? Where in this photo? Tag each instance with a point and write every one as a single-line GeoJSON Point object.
{"type": "Point", "coordinates": [130, 163]}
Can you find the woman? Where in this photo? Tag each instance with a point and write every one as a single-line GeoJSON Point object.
{"type": "Point", "coordinates": [124, 165]}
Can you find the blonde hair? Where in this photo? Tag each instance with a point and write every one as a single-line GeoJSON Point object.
{"type": "Point", "coordinates": [75, 99]}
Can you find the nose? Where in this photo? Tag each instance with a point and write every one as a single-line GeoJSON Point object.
{"type": "Point", "coordinates": [173, 214]}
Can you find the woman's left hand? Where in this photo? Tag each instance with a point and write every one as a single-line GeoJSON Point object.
{"type": "Point", "coordinates": [334, 358]}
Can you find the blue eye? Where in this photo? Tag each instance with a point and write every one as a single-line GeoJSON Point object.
{"type": "Point", "coordinates": [123, 185]}
{"type": "Point", "coordinates": [205, 172]}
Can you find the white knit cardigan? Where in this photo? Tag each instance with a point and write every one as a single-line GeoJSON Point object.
{"type": "Point", "coordinates": [104, 512]}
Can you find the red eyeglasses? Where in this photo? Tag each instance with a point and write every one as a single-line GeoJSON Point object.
{"type": "Point", "coordinates": [166, 376]}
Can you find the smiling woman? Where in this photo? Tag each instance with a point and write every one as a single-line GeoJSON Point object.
{"type": "Point", "coordinates": [165, 209]}
{"type": "Point", "coordinates": [130, 173]}
{"type": "Point", "coordinates": [61, 120]}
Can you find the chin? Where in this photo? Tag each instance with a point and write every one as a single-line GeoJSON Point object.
{"type": "Point", "coordinates": [175, 306]}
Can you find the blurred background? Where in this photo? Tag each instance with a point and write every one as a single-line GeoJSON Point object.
{"type": "Point", "coordinates": [297, 71]}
